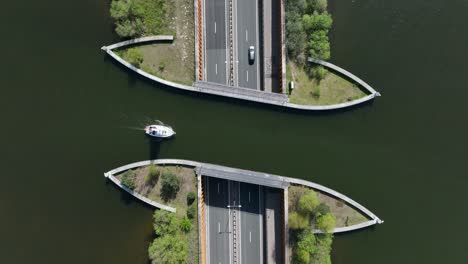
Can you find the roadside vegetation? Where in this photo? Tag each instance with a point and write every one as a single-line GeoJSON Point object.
{"type": "Point", "coordinates": [307, 27]}
{"type": "Point", "coordinates": [306, 214]}
{"type": "Point", "coordinates": [331, 89]}
{"type": "Point", "coordinates": [136, 18]}
{"type": "Point", "coordinates": [176, 234]}
{"type": "Point", "coordinates": [173, 61]}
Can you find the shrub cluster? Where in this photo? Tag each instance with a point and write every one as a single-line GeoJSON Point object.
{"type": "Point", "coordinates": [139, 17]}
{"type": "Point", "coordinates": [133, 56]}
{"type": "Point", "coordinates": [170, 186]}
{"type": "Point", "coordinates": [309, 247]}
{"type": "Point", "coordinates": [169, 245]}
{"type": "Point", "coordinates": [307, 26]}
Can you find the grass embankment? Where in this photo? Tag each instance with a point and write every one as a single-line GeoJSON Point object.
{"type": "Point", "coordinates": [173, 61]}
{"type": "Point", "coordinates": [345, 215]}
{"type": "Point", "coordinates": [332, 89]}
{"type": "Point", "coordinates": [176, 234]}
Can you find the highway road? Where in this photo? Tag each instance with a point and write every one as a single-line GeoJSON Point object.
{"type": "Point", "coordinates": [218, 221]}
{"type": "Point", "coordinates": [247, 35]}
{"type": "Point", "coordinates": [251, 219]}
{"type": "Point", "coordinates": [234, 221]}
{"type": "Point", "coordinates": [216, 41]}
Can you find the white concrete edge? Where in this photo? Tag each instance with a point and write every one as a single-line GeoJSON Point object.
{"type": "Point", "coordinates": [331, 107]}
{"type": "Point", "coordinates": [287, 180]}
{"type": "Point", "coordinates": [345, 72]}
{"type": "Point", "coordinates": [139, 40]}
{"type": "Point", "coordinates": [350, 228]}
{"type": "Point", "coordinates": [108, 50]}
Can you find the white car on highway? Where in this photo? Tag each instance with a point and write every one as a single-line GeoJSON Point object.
{"type": "Point", "coordinates": [252, 53]}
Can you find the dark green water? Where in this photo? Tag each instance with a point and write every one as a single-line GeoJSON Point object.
{"type": "Point", "coordinates": [66, 110]}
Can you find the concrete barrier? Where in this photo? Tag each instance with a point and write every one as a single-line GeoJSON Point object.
{"type": "Point", "coordinates": [251, 177]}
{"type": "Point", "coordinates": [213, 88]}
{"type": "Point", "coordinates": [138, 41]}
{"type": "Point", "coordinates": [346, 73]}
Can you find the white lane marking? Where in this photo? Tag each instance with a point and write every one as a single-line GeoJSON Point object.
{"type": "Point", "coordinates": [250, 236]}
{"type": "Point", "coordinates": [216, 69]}
{"type": "Point", "coordinates": [215, 27]}
{"type": "Point", "coordinates": [218, 187]}
{"type": "Point", "coordinates": [219, 227]}
{"type": "Point", "coordinates": [246, 36]}
{"type": "Point", "coordinates": [247, 76]}
{"type": "Point", "coordinates": [249, 197]}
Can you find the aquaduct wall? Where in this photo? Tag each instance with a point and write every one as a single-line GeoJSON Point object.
{"type": "Point", "coordinates": [238, 92]}
{"type": "Point", "coordinates": [254, 177]}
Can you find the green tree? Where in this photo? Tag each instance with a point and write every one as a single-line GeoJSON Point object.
{"type": "Point", "coordinates": [326, 222]}
{"type": "Point", "coordinates": [170, 185]}
{"type": "Point", "coordinates": [318, 72]}
{"type": "Point", "coordinates": [165, 222]}
{"type": "Point", "coordinates": [307, 203]}
{"type": "Point", "coordinates": [126, 29]}
{"type": "Point", "coordinates": [318, 44]}
{"type": "Point", "coordinates": [321, 209]}
{"type": "Point", "coordinates": [128, 179]}
{"type": "Point", "coordinates": [298, 221]}
{"type": "Point", "coordinates": [306, 241]}
{"type": "Point", "coordinates": [168, 249]}
{"type": "Point", "coordinates": [185, 225]}
{"type": "Point", "coordinates": [134, 57]}
{"type": "Point", "coordinates": [191, 198]}
{"type": "Point", "coordinates": [317, 21]}
{"type": "Point", "coordinates": [301, 257]}
{"type": "Point", "coordinates": [192, 211]}
{"type": "Point", "coordinates": [295, 36]}
{"type": "Point", "coordinates": [120, 9]}
{"type": "Point", "coordinates": [318, 5]}
{"type": "Point", "coordinates": [321, 255]}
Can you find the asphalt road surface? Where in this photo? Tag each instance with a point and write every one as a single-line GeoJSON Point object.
{"type": "Point", "coordinates": [251, 223]}
{"type": "Point", "coordinates": [234, 226]}
{"type": "Point", "coordinates": [247, 35]}
{"type": "Point", "coordinates": [215, 39]}
{"type": "Point", "coordinates": [218, 221]}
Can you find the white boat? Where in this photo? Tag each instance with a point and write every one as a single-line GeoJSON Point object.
{"type": "Point", "coordinates": [159, 131]}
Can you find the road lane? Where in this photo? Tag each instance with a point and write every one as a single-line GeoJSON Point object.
{"type": "Point", "coordinates": [215, 39]}
{"type": "Point", "coordinates": [251, 219]}
{"type": "Point", "coordinates": [247, 24]}
{"type": "Point", "coordinates": [235, 221]}
{"type": "Point", "coordinates": [218, 220]}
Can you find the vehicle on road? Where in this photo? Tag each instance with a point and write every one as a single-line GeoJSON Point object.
{"type": "Point", "coordinates": [251, 53]}
{"type": "Point", "coordinates": [159, 131]}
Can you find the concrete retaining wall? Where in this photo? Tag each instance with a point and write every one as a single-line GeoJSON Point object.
{"type": "Point", "coordinates": [346, 73]}
{"type": "Point", "coordinates": [138, 41]}
{"type": "Point", "coordinates": [286, 180]}
{"type": "Point", "coordinates": [139, 196]}
{"type": "Point", "coordinates": [234, 94]}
